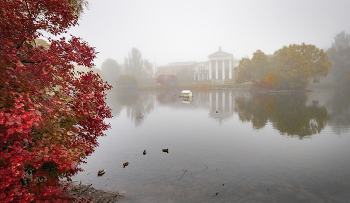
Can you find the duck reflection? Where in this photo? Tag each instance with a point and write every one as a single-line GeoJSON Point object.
{"type": "Point", "coordinates": [167, 97]}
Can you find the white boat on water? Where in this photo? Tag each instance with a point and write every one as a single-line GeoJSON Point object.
{"type": "Point", "coordinates": [186, 93]}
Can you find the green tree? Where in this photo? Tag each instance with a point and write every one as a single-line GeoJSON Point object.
{"type": "Point", "coordinates": [111, 70]}
{"type": "Point", "coordinates": [339, 53]}
{"type": "Point", "coordinates": [134, 63]}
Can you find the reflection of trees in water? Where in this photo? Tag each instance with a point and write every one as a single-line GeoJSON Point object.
{"type": "Point", "coordinates": [115, 106]}
{"type": "Point", "coordinates": [171, 98]}
{"type": "Point", "coordinates": [340, 111]}
{"type": "Point", "coordinates": [293, 117]}
{"type": "Point", "coordinates": [127, 98]}
{"type": "Point", "coordinates": [137, 105]}
{"type": "Point", "coordinates": [253, 110]}
{"type": "Point", "coordinates": [287, 113]}
{"type": "Point", "coordinates": [116, 100]}
{"type": "Point", "coordinates": [167, 97]}
{"type": "Point", "coordinates": [144, 105]}
{"type": "Point", "coordinates": [219, 102]}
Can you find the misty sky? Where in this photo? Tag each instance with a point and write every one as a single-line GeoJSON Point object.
{"type": "Point", "coordinates": [176, 31]}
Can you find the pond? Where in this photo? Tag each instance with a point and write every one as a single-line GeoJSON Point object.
{"type": "Point", "coordinates": [225, 146]}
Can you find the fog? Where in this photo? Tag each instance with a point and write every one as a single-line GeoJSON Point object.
{"type": "Point", "coordinates": [174, 31]}
{"type": "Point", "coordinates": [111, 69]}
{"type": "Point", "coordinates": [267, 145]}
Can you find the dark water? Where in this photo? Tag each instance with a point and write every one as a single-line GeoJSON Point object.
{"type": "Point", "coordinates": [226, 146]}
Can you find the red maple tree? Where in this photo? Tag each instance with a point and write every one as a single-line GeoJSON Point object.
{"type": "Point", "coordinates": [166, 79]}
{"type": "Point", "coordinates": [50, 117]}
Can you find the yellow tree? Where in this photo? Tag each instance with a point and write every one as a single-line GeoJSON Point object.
{"type": "Point", "coordinates": [292, 68]}
{"type": "Point", "coordinates": [271, 79]}
{"type": "Point", "coordinates": [318, 60]}
{"type": "Point", "coordinates": [255, 69]}
{"type": "Point", "coordinates": [260, 66]}
{"type": "Point", "coordinates": [296, 64]}
{"type": "Point", "coordinates": [242, 71]}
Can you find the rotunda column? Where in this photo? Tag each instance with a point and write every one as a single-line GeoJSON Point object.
{"type": "Point", "coordinates": [230, 69]}
{"type": "Point", "coordinates": [223, 69]}
{"type": "Point", "coordinates": [209, 69]}
{"type": "Point", "coordinates": [217, 71]}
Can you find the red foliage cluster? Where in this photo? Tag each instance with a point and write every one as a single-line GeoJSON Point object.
{"type": "Point", "coordinates": [50, 118]}
{"type": "Point", "coordinates": [166, 79]}
{"type": "Point", "coordinates": [261, 84]}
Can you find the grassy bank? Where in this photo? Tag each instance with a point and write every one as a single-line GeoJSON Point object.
{"type": "Point", "coordinates": [206, 86]}
{"type": "Point", "coordinates": [196, 86]}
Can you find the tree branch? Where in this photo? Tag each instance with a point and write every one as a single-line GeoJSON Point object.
{"type": "Point", "coordinates": [32, 62]}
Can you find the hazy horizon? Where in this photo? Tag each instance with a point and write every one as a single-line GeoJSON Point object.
{"type": "Point", "coordinates": [176, 31]}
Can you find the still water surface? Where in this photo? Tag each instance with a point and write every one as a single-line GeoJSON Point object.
{"type": "Point", "coordinates": [225, 146]}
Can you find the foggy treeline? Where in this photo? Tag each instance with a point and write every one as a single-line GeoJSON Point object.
{"type": "Point", "coordinates": [339, 53]}
{"type": "Point", "coordinates": [111, 70]}
{"type": "Point", "coordinates": [134, 65]}
{"type": "Point", "coordinates": [294, 66]}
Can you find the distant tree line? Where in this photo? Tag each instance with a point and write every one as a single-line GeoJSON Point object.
{"type": "Point", "coordinates": [166, 79]}
{"type": "Point", "coordinates": [288, 68]}
{"type": "Point", "coordinates": [339, 53]}
{"type": "Point", "coordinates": [134, 65]}
{"type": "Point", "coordinates": [128, 81]}
{"type": "Point", "coordinates": [111, 70]}
{"type": "Point", "coordinates": [294, 66]}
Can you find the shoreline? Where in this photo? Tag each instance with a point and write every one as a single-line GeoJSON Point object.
{"type": "Point", "coordinates": [225, 86]}
{"type": "Point", "coordinates": [86, 191]}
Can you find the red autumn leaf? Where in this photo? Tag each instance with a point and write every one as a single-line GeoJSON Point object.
{"type": "Point", "coordinates": [35, 114]}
